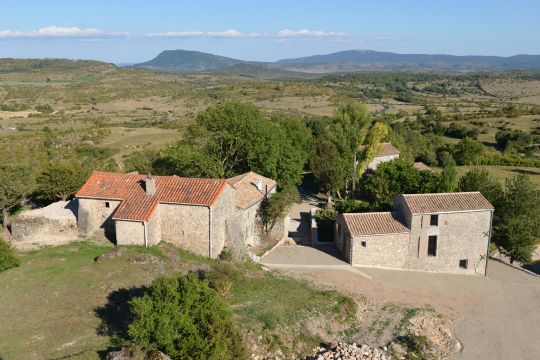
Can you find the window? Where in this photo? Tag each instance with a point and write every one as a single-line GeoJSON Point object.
{"type": "Point", "coordinates": [107, 204]}
{"type": "Point", "coordinates": [464, 263]}
{"type": "Point", "coordinates": [432, 246]}
{"type": "Point", "coordinates": [364, 244]}
{"type": "Point", "coordinates": [434, 221]}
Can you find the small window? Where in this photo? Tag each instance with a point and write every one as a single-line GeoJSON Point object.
{"type": "Point", "coordinates": [107, 204]}
{"type": "Point", "coordinates": [434, 221]}
{"type": "Point", "coordinates": [432, 246]}
{"type": "Point", "coordinates": [464, 263]}
{"type": "Point", "coordinates": [364, 244]}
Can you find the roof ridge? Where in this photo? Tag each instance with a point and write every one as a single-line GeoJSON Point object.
{"type": "Point", "coordinates": [444, 193]}
{"type": "Point", "coordinates": [369, 212]}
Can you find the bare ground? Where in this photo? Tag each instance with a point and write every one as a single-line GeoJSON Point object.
{"type": "Point", "coordinates": [497, 317]}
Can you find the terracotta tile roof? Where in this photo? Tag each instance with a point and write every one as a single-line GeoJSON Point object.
{"type": "Point", "coordinates": [137, 205]}
{"type": "Point", "coordinates": [421, 166]}
{"type": "Point", "coordinates": [386, 149]}
{"type": "Point", "coordinates": [375, 223]}
{"type": "Point", "coordinates": [446, 202]}
{"type": "Point", "coordinates": [247, 193]}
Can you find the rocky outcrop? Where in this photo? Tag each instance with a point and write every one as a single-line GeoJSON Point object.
{"type": "Point", "coordinates": [345, 351]}
{"type": "Point", "coordinates": [52, 225]}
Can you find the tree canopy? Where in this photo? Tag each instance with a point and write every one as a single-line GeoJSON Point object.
{"type": "Point", "coordinates": [231, 138]}
{"type": "Point", "coordinates": [186, 319]}
{"type": "Point", "coordinates": [59, 181]}
{"type": "Point", "coordinates": [15, 183]}
{"type": "Point", "coordinates": [517, 219]}
{"type": "Point", "coordinates": [396, 177]}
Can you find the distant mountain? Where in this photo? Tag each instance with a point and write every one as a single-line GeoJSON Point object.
{"type": "Point", "coordinates": [369, 60]}
{"type": "Point", "coordinates": [184, 61]}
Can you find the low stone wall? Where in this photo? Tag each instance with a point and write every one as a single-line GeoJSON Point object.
{"type": "Point", "coordinates": [52, 225]}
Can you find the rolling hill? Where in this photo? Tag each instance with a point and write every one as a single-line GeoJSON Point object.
{"type": "Point", "coordinates": [184, 61]}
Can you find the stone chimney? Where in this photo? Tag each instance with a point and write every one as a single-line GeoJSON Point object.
{"type": "Point", "coordinates": [150, 185]}
{"type": "Point", "coordinates": [259, 184]}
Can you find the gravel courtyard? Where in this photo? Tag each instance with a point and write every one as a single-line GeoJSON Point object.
{"type": "Point", "coordinates": [497, 317]}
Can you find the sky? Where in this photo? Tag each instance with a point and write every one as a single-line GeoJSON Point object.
{"type": "Point", "coordinates": [133, 31]}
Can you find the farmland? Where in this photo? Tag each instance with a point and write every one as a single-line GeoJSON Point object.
{"type": "Point", "coordinates": [65, 109]}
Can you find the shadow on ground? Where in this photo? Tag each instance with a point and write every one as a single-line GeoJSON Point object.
{"type": "Point", "coordinates": [116, 315]}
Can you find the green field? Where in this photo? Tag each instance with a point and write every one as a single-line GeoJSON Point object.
{"type": "Point", "coordinates": [71, 301]}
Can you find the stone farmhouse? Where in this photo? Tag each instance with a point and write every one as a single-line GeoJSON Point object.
{"type": "Point", "coordinates": [388, 152]}
{"type": "Point", "coordinates": [200, 215]}
{"type": "Point", "coordinates": [447, 232]}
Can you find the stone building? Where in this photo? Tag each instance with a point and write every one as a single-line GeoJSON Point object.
{"type": "Point", "coordinates": [195, 214]}
{"type": "Point", "coordinates": [447, 232]}
{"type": "Point", "coordinates": [388, 152]}
{"type": "Point", "coordinates": [251, 189]}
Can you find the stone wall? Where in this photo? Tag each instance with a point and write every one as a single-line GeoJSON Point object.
{"type": "Point", "coordinates": [153, 227]}
{"type": "Point", "coordinates": [186, 226]}
{"type": "Point", "coordinates": [94, 215]}
{"type": "Point", "coordinates": [389, 250]}
{"type": "Point", "coordinates": [223, 211]}
{"type": "Point", "coordinates": [129, 232]}
{"type": "Point", "coordinates": [54, 224]}
{"type": "Point", "coordinates": [460, 236]}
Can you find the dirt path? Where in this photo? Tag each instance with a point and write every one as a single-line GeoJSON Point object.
{"type": "Point", "coordinates": [497, 317]}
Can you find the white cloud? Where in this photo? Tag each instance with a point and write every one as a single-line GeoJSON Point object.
{"type": "Point", "coordinates": [307, 33]}
{"type": "Point", "coordinates": [58, 32]}
{"type": "Point", "coordinates": [232, 33]}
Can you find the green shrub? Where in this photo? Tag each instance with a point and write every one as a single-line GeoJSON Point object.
{"type": "Point", "coordinates": [226, 255]}
{"type": "Point", "coordinates": [222, 277]}
{"type": "Point", "coordinates": [418, 347]}
{"type": "Point", "coordinates": [186, 319]}
{"type": "Point", "coordinates": [44, 109]}
{"type": "Point", "coordinates": [8, 258]}
{"type": "Point", "coordinates": [346, 308]}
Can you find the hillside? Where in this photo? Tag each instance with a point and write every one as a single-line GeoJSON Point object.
{"type": "Point", "coordinates": [185, 61]}
{"type": "Point", "coordinates": [368, 60]}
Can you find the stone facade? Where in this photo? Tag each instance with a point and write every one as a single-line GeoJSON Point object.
{"type": "Point", "coordinates": [96, 215]}
{"type": "Point", "coordinates": [186, 226]}
{"type": "Point", "coordinates": [461, 236]}
{"type": "Point", "coordinates": [129, 232]}
{"type": "Point", "coordinates": [220, 214]}
{"type": "Point", "coordinates": [444, 241]}
{"type": "Point", "coordinates": [199, 215]}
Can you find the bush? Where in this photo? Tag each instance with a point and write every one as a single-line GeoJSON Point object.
{"type": "Point", "coordinates": [221, 278]}
{"type": "Point", "coordinates": [8, 258]}
{"type": "Point", "coordinates": [186, 319]}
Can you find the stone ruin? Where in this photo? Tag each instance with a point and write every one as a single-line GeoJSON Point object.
{"type": "Point", "coordinates": [52, 225]}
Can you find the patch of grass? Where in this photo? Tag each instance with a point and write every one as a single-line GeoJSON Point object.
{"type": "Point", "coordinates": [63, 303]}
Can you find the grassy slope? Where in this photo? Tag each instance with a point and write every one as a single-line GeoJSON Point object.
{"type": "Point", "coordinates": [502, 173]}
{"type": "Point", "coordinates": [62, 303]}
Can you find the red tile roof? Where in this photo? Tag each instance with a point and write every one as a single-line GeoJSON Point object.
{"type": "Point", "coordinates": [375, 223]}
{"type": "Point", "coordinates": [247, 193]}
{"type": "Point", "coordinates": [446, 202]}
{"type": "Point", "coordinates": [137, 205]}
